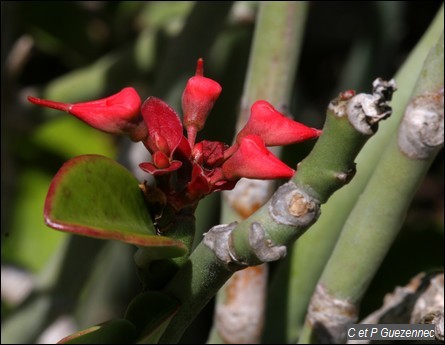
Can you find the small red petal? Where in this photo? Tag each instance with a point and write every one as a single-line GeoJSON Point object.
{"type": "Point", "coordinates": [50, 104]}
{"type": "Point", "coordinates": [161, 143]}
{"type": "Point", "coordinates": [198, 99]}
{"type": "Point", "coordinates": [197, 153]}
{"type": "Point", "coordinates": [224, 185]}
{"type": "Point", "coordinates": [116, 114]}
{"type": "Point", "coordinates": [275, 128]}
{"type": "Point", "coordinates": [160, 160]}
{"type": "Point", "coordinates": [200, 68]}
{"type": "Point", "coordinates": [253, 160]}
{"type": "Point", "coordinates": [152, 169]}
{"type": "Point", "coordinates": [212, 153]}
{"type": "Point", "coordinates": [198, 185]}
{"type": "Point", "coordinates": [162, 121]}
{"type": "Point", "coordinates": [183, 150]}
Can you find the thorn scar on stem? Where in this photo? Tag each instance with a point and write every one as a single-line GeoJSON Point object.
{"type": "Point", "coordinates": [298, 206]}
{"type": "Point", "coordinates": [421, 131]}
{"type": "Point", "coordinates": [218, 239]}
{"type": "Point", "coordinates": [290, 205]}
{"type": "Point", "coordinates": [332, 314]}
{"type": "Point", "coordinates": [364, 111]}
{"type": "Point", "coordinates": [346, 176]}
{"type": "Point", "coordinates": [263, 248]}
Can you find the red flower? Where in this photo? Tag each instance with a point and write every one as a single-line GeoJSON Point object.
{"type": "Point", "coordinates": [164, 136]}
{"type": "Point", "coordinates": [275, 128]}
{"type": "Point", "coordinates": [191, 171]}
{"type": "Point", "coordinates": [209, 153]}
{"type": "Point", "coordinates": [116, 114]}
{"type": "Point", "coordinates": [253, 160]}
{"type": "Point", "coordinates": [198, 98]}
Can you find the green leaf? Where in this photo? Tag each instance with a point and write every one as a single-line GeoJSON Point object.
{"type": "Point", "coordinates": [151, 313]}
{"type": "Point", "coordinates": [95, 196]}
{"type": "Point", "coordinates": [119, 331]}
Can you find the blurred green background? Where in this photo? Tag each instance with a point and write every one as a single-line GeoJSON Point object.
{"type": "Point", "coordinates": [78, 51]}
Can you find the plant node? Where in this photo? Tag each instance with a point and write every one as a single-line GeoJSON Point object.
{"type": "Point", "coordinates": [264, 249]}
{"type": "Point", "coordinates": [421, 130]}
{"type": "Point", "coordinates": [365, 111]}
{"type": "Point", "coordinates": [330, 316]}
{"type": "Point", "coordinates": [292, 206]}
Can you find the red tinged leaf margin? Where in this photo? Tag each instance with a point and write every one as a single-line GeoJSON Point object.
{"type": "Point", "coordinates": [95, 196]}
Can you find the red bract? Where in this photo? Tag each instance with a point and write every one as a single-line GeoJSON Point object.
{"type": "Point", "coordinates": [161, 165]}
{"type": "Point", "coordinates": [209, 153]}
{"type": "Point", "coordinates": [253, 160]}
{"type": "Point", "coordinates": [186, 171]}
{"type": "Point", "coordinates": [116, 114]}
{"type": "Point", "coordinates": [275, 128]}
{"type": "Point", "coordinates": [164, 126]}
{"type": "Point", "coordinates": [164, 136]}
{"type": "Point", "coordinates": [198, 98]}
{"type": "Point", "coordinates": [199, 184]}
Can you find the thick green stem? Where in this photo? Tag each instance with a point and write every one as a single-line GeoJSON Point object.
{"type": "Point", "coordinates": [312, 251]}
{"type": "Point", "coordinates": [194, 285]}
{"type": "Point", "coordinates": [330, 165]}
{"type": "Point", "coordinates": [293, 208]}
{"type": "Point", "coordinates": [155, 273]}
{"type": "Point", "coordinates": [273, 60]}
{"type": "Point", "coordinates": [378, 215]}
{"type": "Point", "coordinates": [270, 76]}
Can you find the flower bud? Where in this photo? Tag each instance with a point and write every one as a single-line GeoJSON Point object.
{"type": "Point", "coordinates": [116, 114]}
{"type": "Point", "coordinates": [253, 160]}
{"type": "Point", "coordinates": [198, 98]}
{"type": "Point", "coordinates": [158, 171]}
{"type": "Point", "coordinates": [274, 128]}
{"type": "Point", "coordinates": [163, 124]}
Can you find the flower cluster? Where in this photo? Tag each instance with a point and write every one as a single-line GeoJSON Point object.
{"type": "Point", "coordinates": [186, 171]}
